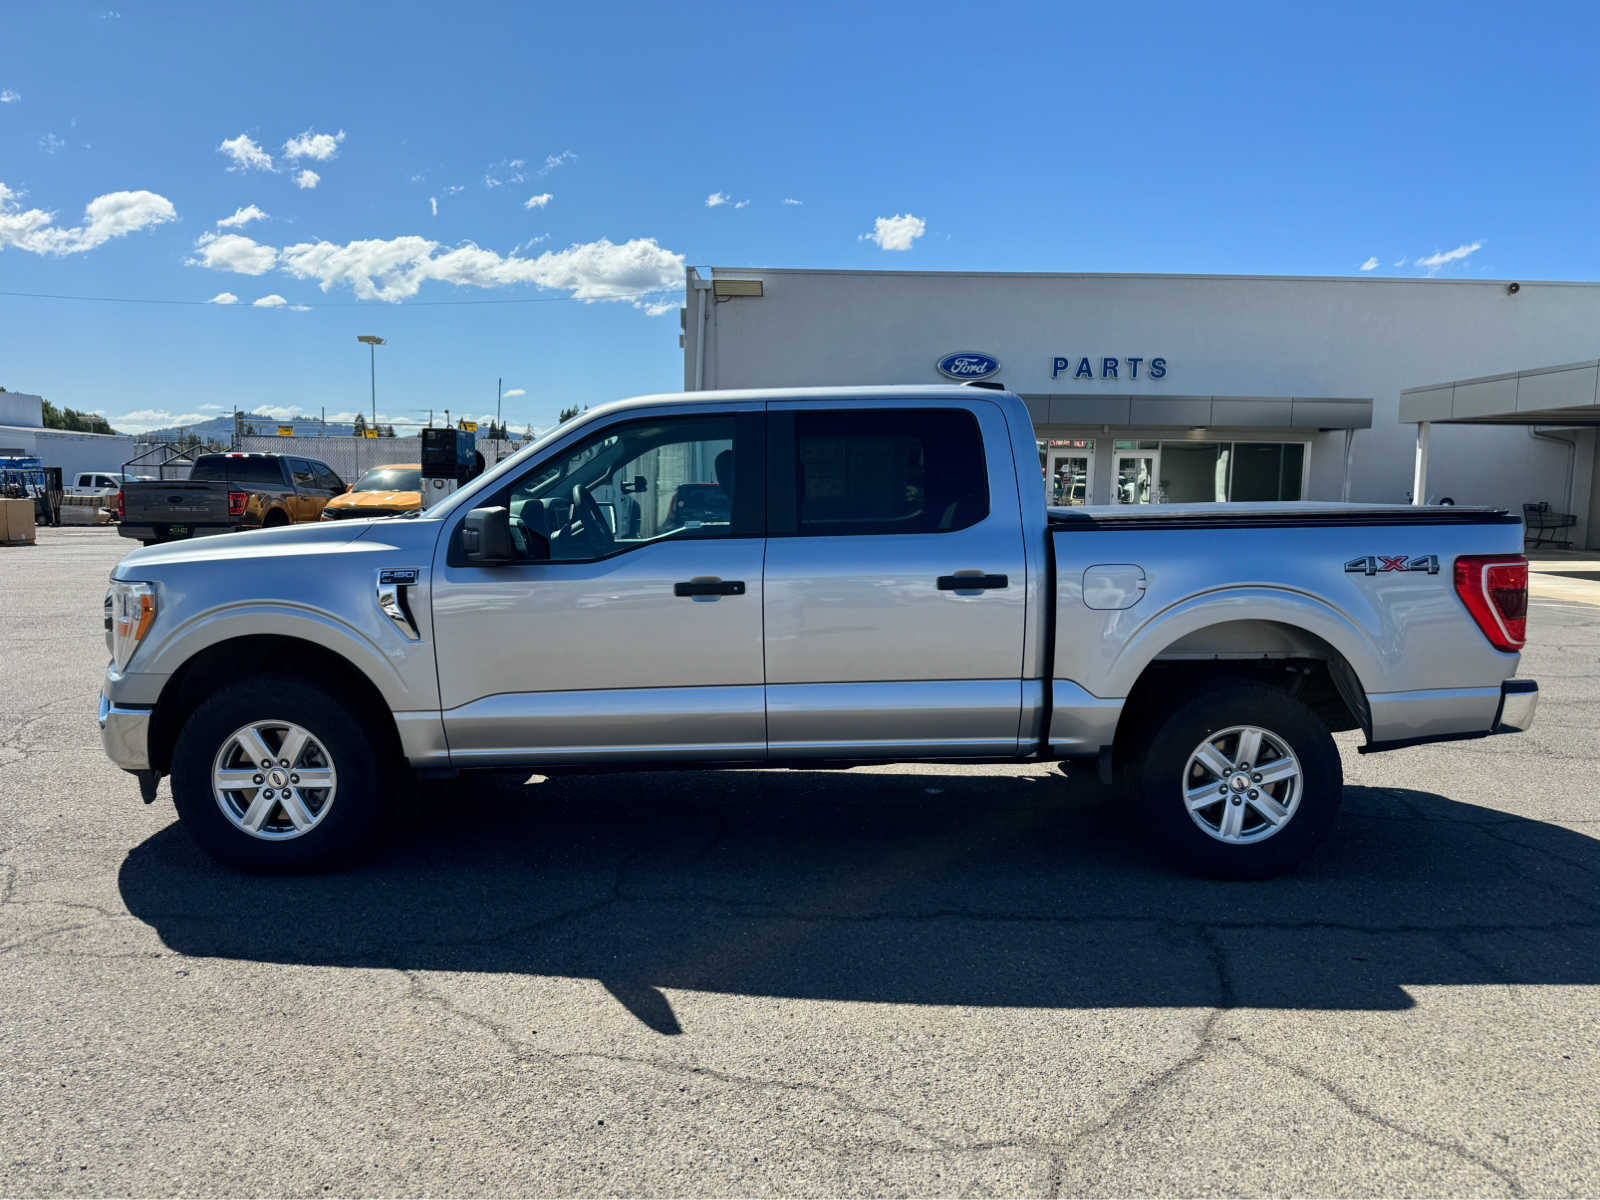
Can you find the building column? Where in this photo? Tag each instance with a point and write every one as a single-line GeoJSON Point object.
{"type": "Point", "coordinates": [1419, 474]}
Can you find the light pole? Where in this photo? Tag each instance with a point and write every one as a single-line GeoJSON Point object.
{"type": "Point", "coordinates": [373, 341]}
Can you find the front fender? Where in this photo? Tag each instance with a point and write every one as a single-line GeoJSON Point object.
{"type": "Point", "coordinates": [402, 671]}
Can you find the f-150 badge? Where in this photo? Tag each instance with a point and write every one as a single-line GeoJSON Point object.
{"type": "Point", "coordinates": [1380, 564]}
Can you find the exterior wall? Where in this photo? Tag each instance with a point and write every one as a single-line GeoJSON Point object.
{"type": "Point", "coordinates": [21, 408]}
{"type": "Point", "coordinates": [72, 452]}
{"type": "Point", "coordinates": [1220, 335]}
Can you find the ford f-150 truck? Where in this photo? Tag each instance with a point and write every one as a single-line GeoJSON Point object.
{"type": "Point", "coordinates": [225, 492]}
{"type": "Point", "coordinates": [885, 583]}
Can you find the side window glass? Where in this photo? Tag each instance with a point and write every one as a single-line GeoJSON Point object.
{"type": "Point", "coordinates": [631, 485]}
{"type": "Point", "coordinates": [888, 471]}
{"type": "Point", "coordinates": [304, 477]}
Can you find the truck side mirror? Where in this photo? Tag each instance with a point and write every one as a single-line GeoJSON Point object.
{"type": "Point", "coordinates": [486, 536]}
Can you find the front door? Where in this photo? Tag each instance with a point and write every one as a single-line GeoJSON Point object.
{"type": "Point", "coordinates": [631, 629]}
{"type": "Point", "coordinates": [895, 581]}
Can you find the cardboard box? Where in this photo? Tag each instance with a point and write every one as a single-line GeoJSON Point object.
{"type": "Point", "coordinates": [16, 521]}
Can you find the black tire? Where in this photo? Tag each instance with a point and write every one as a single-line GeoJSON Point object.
{"type": "Point", "coordinates": [1164, 771]}
{"type": "Point", "coordinates": [337, 836]}
{"type": "Point", "coordinates": [275, 519]}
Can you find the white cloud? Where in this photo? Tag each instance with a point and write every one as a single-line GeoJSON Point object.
{"type": "Point", "coordinates": [896, 232]}
{"type": "Point", "coordinates": [114, 215]}
{"type": "Point", "coordinates": [51, 144]}
{"type": "Point", "coordinates": [307, 178]}
{"type": "Point", "coordinates": [213, 408]}
{"type": "Point", "coordinates": [233, 252]}
{"type": "Point", "coordinates": [242, 217]}
{"type": "Point", "coordinates": [320, 146]}
{"type": "Point", "coordinates": [717, 199]}
{"type": "Point", "coordinates": [9, 97]}
{"type": "Point", "coordinates": [1400, 262]}
{"type": "Point", "coordinates": [552, 161]}
{"type": "Point", "coordinates": [246, 153]}
{"type": "Point", "coordinates": [1439, 258]}
{"type": "Point", "coordinates": [223, 298]}
{"type": "Point", "coordinates": [742, 204]}
{"type": "Point", "coordinates": [1371, 264]}
{"type": "Point", "coordinates": [507, 170]}
{"type": "Point", "coordinates": [282, 412]}
{"type": "Point", "coordinates": [538, 201]}
{"type": "Point", "coordinates": [395, 269]}
{"type": "Point", "coordinates": [513, 393]}
{"type": "Point", "coordinates": [142, 419]}
{"type": "Point", "coordinates": [793, 201]}
{"type": "Point", "coordinates": [657, 308]}
{"type": "Point", "coordinates": [272, 301]}
{"type": "Point", "coordinates": [433, 204]}
{"type": "Point", "coordinates": [454, 188]}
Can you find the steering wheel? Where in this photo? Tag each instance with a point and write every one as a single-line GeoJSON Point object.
{"type": "Point", "coordinates": [588, 523]}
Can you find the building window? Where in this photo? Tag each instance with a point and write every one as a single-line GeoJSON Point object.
{"type": "Point", "coordinates": [1207, 472]}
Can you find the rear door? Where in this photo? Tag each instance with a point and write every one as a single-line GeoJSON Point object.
{"type": "Point", "coordinates": [895, 580]}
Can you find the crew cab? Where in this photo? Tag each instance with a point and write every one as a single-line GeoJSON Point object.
{"type": "Point", "coordinates": [885, 582]}
{"type": "Point", "coordinates": [226, 492]}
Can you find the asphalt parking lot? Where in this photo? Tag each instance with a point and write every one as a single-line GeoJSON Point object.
{"type": "Point", "coordinates": [917, 980]}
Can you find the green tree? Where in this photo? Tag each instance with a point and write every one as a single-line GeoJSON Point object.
{"type": "Point", "coordinates": [568, 413]}
{"type": "Point", "coordinates": [386, 431]}
{"type": "Point", "coordinates": [73, 420]}
{"type": "Point", "coordinates": [249, 431]}
{"type": "Point", "coordinates": [360, 426]}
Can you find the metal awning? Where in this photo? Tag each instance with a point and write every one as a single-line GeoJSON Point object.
{"type": "Point", "coordinates": [1567, 396]}
{"type": "Point", "coordinates": [1564, 395]}
{"type": "Point", "coordinates": [1196, 412]}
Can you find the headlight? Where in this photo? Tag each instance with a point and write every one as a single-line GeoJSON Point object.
{"type": "Point", "coordinates": [130, 611]}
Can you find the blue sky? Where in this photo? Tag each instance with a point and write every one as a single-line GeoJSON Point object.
{"type": "Point", "coordinates": [1273, 138]}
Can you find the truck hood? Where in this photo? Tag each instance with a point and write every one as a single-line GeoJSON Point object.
{"type": "Point", "coordinates": [289, 541]}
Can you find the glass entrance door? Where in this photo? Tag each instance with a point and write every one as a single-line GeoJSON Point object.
{"type": "Point", "coordinates": [1137, 476]}
{"type": "Point", "coordinates": [1070, 478]}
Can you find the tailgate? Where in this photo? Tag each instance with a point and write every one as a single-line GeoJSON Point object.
{"type": "Point", "coordinates": [179, 502]}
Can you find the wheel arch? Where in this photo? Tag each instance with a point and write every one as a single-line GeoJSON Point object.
{"type": "Point", "coordinates": [1277, 652]}
{"type": "Point", "coordinates": [267, 655]}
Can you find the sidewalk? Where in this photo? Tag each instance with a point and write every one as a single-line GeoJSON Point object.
{"type": "Point", "coordinates": [1572, 576]}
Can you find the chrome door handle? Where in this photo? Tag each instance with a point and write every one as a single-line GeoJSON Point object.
{"type": "Point", "coordinates": [972, 583]}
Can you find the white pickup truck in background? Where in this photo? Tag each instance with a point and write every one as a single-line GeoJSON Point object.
{"type": "Point", "coordinates": [826, 576]}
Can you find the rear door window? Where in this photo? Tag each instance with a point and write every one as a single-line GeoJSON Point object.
{"type": "Point", "coordinates": [305, 479]}
{"type": "Point", "coordinates": [888, 471]}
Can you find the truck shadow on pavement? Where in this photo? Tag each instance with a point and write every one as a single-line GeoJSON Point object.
{"type": "Point", "coordinates": [906, 888]}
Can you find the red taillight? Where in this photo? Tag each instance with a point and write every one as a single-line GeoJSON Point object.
{"type": "Point", "coordinates": [122, 508]}
{"type": "Point", "coordinates": [1494, 587]}
{"type": "Point", "coordinates": [237, 502]}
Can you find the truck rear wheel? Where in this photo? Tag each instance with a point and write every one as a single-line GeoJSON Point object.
{"type": "Point", "coordinates": [1238, 781]}
{"type": "Point", "coordinates": [275, 775]}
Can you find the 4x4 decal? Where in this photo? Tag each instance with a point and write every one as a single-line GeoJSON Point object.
{"type": "Point", "coordinates": [1379, 564]}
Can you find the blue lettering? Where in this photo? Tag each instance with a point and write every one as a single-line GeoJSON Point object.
{"type": "Point", "coordinates": [1133, 367]}
{"type": "Point", "coordinates": [1108, 368]}
{"type": "Point", "coordinates": [1158, 368]}
{"type": "Point", "coordinates": [1084, 371]}
{"type": "Point", "coordinates": [1059, 365]}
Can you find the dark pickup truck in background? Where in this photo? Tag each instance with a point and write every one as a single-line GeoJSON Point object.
{"type": "Point", "coordinates": [227, 492]}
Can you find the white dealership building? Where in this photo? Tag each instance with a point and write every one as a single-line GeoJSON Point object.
{"type": "Point", "coordinates": [1204, 387]}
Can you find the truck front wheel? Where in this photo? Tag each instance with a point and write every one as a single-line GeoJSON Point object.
{"type": "Point", "coordinates": [1238, 781]}
{"type": "Point", "coordinates": [275, 775]}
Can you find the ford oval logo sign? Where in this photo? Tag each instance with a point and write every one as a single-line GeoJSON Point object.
{"type": "Point", "coordinates": [968, 365]}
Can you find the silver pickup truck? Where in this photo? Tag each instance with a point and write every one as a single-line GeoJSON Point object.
{"type": "Point", "coordinates": [816, 577]}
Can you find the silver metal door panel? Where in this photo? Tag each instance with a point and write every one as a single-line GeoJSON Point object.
{"type": "Point", "coordinates": [552, 657]}
{"type": "Point", "coordinates": [859, 612]}
{"type": "Point", "coordinates": [943, 719]}
{"type": "Point", "coordinates": [648, 724]}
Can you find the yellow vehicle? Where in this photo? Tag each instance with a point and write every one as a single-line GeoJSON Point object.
{"type": "Point", "coordinates": [381, 492]}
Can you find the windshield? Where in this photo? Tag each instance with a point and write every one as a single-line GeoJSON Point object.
{"type": "Point", "coordinates": [390, 479]}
